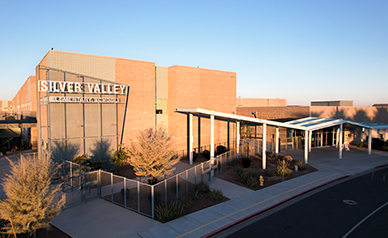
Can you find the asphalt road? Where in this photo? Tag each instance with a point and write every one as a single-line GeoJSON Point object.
{"type": "Point", "coordinates": [343, 208]}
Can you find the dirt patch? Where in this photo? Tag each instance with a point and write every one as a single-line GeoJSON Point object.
{"type": "Point", "coordinates": [256, 166]}
{"type": "Point", "coordinates": [50, 232]}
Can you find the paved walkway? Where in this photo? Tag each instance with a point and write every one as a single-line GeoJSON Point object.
{"type": "Point", "coordinates": [100, 218]}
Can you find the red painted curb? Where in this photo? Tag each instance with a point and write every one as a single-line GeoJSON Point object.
{"type": "Point", "coordinates": [380, 166]}
{"type": "Point", "coordinates": [220, 230]}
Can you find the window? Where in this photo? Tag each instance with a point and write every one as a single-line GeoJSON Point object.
{"type": "Point", "coordinates": [161, 106]}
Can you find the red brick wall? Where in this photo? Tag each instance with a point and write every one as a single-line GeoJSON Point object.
{"type": "Point", "coordinates": [140, 76]}
{"type": "Point", "coordinates": [357, 114]}
{"type": "Point", "coordinates": [200, 88]}
{"type": "Point", "coordinates": [274, 112]}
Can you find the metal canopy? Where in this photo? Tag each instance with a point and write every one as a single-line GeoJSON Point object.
{"type": "Point", "coordinates": [307, 123]}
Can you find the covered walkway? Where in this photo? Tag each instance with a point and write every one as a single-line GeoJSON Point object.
{"type": "Point", "coordinates": [306, 125]}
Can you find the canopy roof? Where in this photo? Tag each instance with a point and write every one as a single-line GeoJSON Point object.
{"type": "Point", "coordinates": [307, 123]}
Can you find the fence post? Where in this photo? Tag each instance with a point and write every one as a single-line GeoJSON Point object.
{"type": "Point", "coordinates": [187, 183]}
{"type": "Point", "coordinates": [99, 182]}
{"type": "Point", "coordinates": [138, 196]}
{"type": "Point", "coordinates": [165, 190]}
{"type": "Point", "coordinates": [177, 187]}
{"type": "Point", "coordinates": [111, 185]}
{"type": "Point", "coordinates": [195, 175]}
{"type": "Point", "coordinates": [71, 175]}
{"type": "Point", "coordinates": [153, 203]}
{"type": "Point", "coordinates": [125, 192]}
{"type": "Point", "coordinates": [201, 172]}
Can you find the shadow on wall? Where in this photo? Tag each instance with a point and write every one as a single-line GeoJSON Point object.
{"type": "Point", "coordinates": [68, 151]}
{"type": "Point", "coordinates": [356, 114]}
{"type": "Point", "coordinates": [64, 151]}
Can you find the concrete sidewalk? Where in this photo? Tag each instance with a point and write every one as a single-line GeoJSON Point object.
{"type": "Point", "coordinates": [102, 219]}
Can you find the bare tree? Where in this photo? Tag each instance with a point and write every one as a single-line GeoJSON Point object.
{"type": "Point", "coordinates": [32, 201]}
{"type": "Point", "coordinates": [153, 155]}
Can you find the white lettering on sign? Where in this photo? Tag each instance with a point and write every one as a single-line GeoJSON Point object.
{"type": "Point", "coordinates": [83, 99]}
{"type": "Point", "coordinates": [78, 87]}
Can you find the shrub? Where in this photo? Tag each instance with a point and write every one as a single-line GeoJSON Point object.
{"type": "Point", "coordinates": [196, 195]}
{"type": "Point", "coordinates": [362, 144]}
{"type": "Point", "coordinates": [206, 154]}
{"type": "Point", "coordinates": [202, 187]}
{"type": "Point", "coordinates": [216, 194]}
{"type": "Point", "coordinates": [32, 200]}
{"type": "Point", "coordinates": [377, 143]}
{"type": "Point", "coordinates": [288, 158]}
{"type": "Point", "coordinates": [252, 181]}
{"type": "Point", "coordinates": [246, 162]}
{"type": "Point", "coordinates": [268, 173]}
{"type": "Point", "coordinates": [301, 165]}
{"type": "Point", "coordinates": [221, 149]}
{"type": "Point", "coordinates": [126, 191]}
{"type": "Point", "coordinates": [282, 168]}
{"type": "Point", "coordinates": [239, 172]}
{"type": "Point", "coordinates": [170, 211]}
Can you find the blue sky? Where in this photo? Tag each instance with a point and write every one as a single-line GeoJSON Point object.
{"type": "Point", "coordinates": [297, 50]}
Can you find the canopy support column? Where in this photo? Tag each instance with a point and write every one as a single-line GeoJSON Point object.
{"type": "Point", "coordinates": [340, 142]}
{"type": "Point", "coordinates": [190, 138]}
{"type": "Point", "coordinates": [306, 152]}
{"type": "Point", "coordinates": [263, 155]}
{"type": "Point", "coordinates": [277, 141]}
{"type": "Point", "coordinates": [211, 137]}
{"type": "Point", "coordinates": [369, 141]}
{"type": "Point", "coordinates": [238, 137]}
{"type": "Point", "coordinates": [309, 138]}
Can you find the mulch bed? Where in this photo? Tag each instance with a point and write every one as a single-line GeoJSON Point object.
{"type": "Point", "coordinates": [256, 166]}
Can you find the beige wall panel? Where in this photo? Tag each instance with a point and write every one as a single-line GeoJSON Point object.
{"type": "Point", "coordinates": [90, 65]}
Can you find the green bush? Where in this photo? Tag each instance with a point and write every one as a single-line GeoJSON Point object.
{"type": "Point", "coordinates": [282, 168]}
{"type": "Point", "coordinates": [202, 187]}
{"type": "Point", "coordinates": [301, 165]}
{"type": "Point", "coordinates": [196, 195]}
{"type": "Point", "coordinates": [250, 179]}
{"type": "Point", "coordinates": [170, 211]}
{"type": "Point", "coordinates": [268, 173]}
{"type": "Point", "coordinates": [216, 194]}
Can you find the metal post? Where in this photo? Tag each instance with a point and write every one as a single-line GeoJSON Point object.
{"type": "Point", "coordinates": [340, 142]}
{"type": "Point", "coordinates": [153, 202]}
{"type": "Point", "coordinates": [187, 183]}
{"type": "Point", "coordinates": [111, 185]}
{"type": "Point", "coordinates": [125, 192]}
{"type": "Point", "coordinates": [195, 175]}
{"type": "Point", "coordinates": [138, 196]}
{"type": "Point", "coordinates": [165, 191]}
{"type": "Point", "coordinates": [176, 187]}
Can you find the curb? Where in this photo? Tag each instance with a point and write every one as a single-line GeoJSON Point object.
{"type": "Point", "coordinates": [380, 166]}
{"type": "Point", "coordinates": [222, 229]}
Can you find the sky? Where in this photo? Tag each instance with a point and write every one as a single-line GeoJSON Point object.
{"type": "Point", "coordinates": [301, 51]}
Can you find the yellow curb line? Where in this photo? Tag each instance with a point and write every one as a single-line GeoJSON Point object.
{"type": "Point", "coordinates": [256, 204]}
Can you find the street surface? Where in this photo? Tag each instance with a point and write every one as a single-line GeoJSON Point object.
{"type": "Point", "coordinates": [332, 211]}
